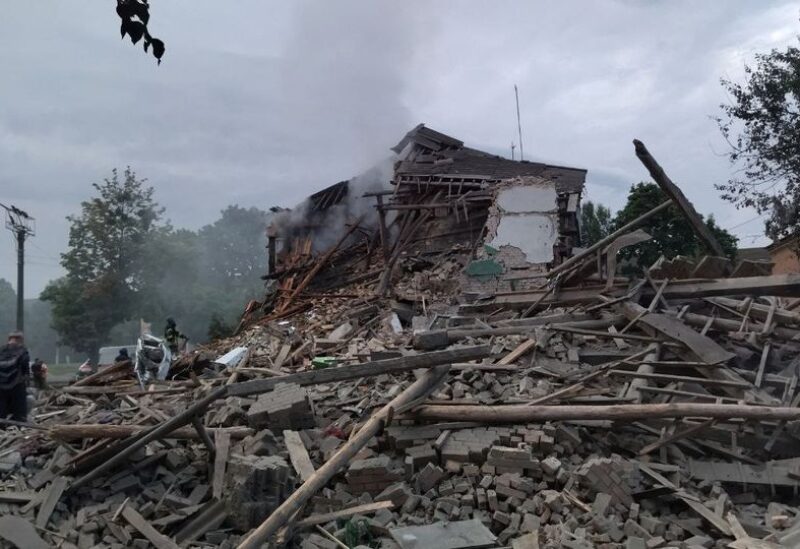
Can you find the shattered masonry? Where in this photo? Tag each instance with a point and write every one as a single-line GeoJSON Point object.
{"type": "Point", "coordinates": [444, 368]}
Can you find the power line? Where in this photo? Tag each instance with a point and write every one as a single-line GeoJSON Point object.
{"type": "Point", "coordinates": [745, 222]}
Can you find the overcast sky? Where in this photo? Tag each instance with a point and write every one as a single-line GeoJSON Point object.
{"type": "Point", "coordinates": [261, 103]}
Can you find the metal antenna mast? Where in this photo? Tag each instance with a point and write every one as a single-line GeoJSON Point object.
{"type": "Point", "coordinates": [519, 124]}
{"type": "Point", "coordinates": [23, 226]}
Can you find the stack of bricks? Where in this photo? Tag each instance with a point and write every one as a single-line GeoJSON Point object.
{"type": "Point", "coordinates": [288, 406]}
{"type": "Point", "coordinates": [418, 457]}
{"type": "Point", "coordinates": [254, 487]}
{"type": "Point", "coordinates": [612, 476]}
{"type": "Point", "coordinates": [541, 440]}
{"type": "Point", "coordinates": [401, 437]}
{"type": "Point", "coordinates": [468, 446]}
{"type": "Point", "coordinates": [372, 475]}
{"type": "Point", "coordinates": [503, 459]}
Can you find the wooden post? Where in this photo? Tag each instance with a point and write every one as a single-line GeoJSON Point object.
{"type": "Point", "coordinates": [106, 431]}
{"type": "Point", "coordinates": [617, 412]}
{"type": "Point", "coordinates": [157, 432]}
{"type": "Point", "coordinates": [201, 431]}
{"type": "Point", "coordinates": [272, 237]}
{"type": "Point", "coordinates": [420, 388]}
{"type": "Point", "coordinates": [673, 191]}
{"type": "Point", "coordinates": [382, 227]}
{"type": "Point", "coordinates": [609, 239]}
{"type": "Point", "coordinates": [354, 371]}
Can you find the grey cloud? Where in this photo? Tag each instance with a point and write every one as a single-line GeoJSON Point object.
{"type": "Point", "coordinates": [262, 103]}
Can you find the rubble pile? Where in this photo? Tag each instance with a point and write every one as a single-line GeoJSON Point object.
{"type": "Point", "coordinates": [545, 405]}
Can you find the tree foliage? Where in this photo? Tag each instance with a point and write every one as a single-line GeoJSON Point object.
{"type": "Point", "coordinates": [104, 262]}
{"type": "Point", "coordinates": [123, 264]}
{"type": "Point", "coordinates": [596, 223]}
{"type": "Point", "coordinates": [672, 234]}
{"type": "Point", "coordinates": [762, 125]}
{"type": "Point", "coordinates": [134, 16]}
{"type": "Point", "coordinates": [212, 272]}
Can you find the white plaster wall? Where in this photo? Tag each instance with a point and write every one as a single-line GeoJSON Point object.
{"type": "Point", "coordinates": [533, 233]}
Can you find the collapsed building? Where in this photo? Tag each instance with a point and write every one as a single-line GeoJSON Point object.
{"type": "Point", "coordinates": [444, 368]}
{"type": "Point", "coordinates": [511, 219]}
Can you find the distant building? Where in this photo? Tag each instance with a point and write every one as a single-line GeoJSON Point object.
{"type": "Point", "coordinates": [784, 255]}
{"type": "Point", "coordinates": [753, 254]}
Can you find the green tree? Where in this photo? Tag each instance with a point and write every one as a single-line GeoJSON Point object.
{"type": "Point", "coordinates": [106, 272]}
{"type": "Point", "coordinates": [234, 247]}
{"type": "Point", "coordinates": [762, 124]}
{"type": "Point", "coordinates": [672, 234]}
{"type": "Point", "coordinates": [205, 279]}
{"type": "Point", "coordinates": [595, 223]}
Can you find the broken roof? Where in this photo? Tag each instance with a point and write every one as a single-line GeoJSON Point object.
{"type": "Point", "coordinates": [437, 154]}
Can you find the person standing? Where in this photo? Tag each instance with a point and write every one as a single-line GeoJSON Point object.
{"type": "Point", "coordinates": [39, 374]}
{"type": "Point", "coordinates": [122, 356]}
{"type": "Point", "coordinates": [14, 371]}
{"type": "Point", "coordinates": [173, 337]}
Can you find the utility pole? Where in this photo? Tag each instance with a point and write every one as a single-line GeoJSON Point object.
{"type": "Point", "coordinates": [519, 124]}
{"type": "Point", "coordinates": [513, 146]}
{"type": "Point", "coordinates": [22, 226]}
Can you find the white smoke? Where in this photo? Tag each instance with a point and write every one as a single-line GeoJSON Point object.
{"type": "Point", "coordinates": [326, 228]}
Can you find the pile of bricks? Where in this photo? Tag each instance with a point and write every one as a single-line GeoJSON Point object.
{"type": "Point", "coordinates": [468, 445]}
{"type": "Point", "coordinates": [372, 475]}
{"type": "Point", "coordinates": [255, 486]}
{"type": "Point", "coordinates": [503, 459]}
{"type": "Point", "coordinates": [287, 407]}
{"type": "Point", "coordinates": [613, 476]}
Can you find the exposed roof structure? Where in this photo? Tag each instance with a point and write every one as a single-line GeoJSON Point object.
{"type": "Point", "coordinates": [329, 196]}
{"type": "Point", "coordinates": [437, 154]}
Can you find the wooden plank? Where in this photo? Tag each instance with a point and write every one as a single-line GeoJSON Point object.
{"type": "Point", "coordinates": [159, 540]}
{"type": "Point", "coordinates": [696, 506]}
{"type": "Point", "coordinates": [765, 474]}
{"type": "Point", "coordinates": [683, 379]}
{"type": "Point", "coordinates": [758, 311]}
{"type": "Point", "coordinates": [676, 437]}
{"type": "Point", "coordinates": [298, 454]}
{"type": "Point", "coordinates": [323, 518]}
{"type": "Point", "coordinates": [53, 495]}
{"type": "Point", "coordinates": [521, 413]}
{"type": "Point", "coordinates": [619, 342]}
{"type": "Point", "coordinates": [743, 539]}
{"type": "Point", "coordinates": [673, 191]}
{"type": "Point", "coordinates": [775, 285]}
{"type": "Point", "coordinates": [521, 349]}
{"type": "Point", "coordinates": [222, 443]}
{"type": "Point", "coordinates": [20, 533]}
{"type": "Point", "coordinates": [282, 354]}
{"type": "Point", "coordinates": [375, 368]}
{"type": "Point", "coordinates": [105, 431]}
{"type": "Point", "coordinates": [704, 347]}
{"type": "Point", "coordinates": [17, 497]}
{"type": "Point", "coordinates": [762, 364]}
{"type": "Point", "coordinates": [210, 517]}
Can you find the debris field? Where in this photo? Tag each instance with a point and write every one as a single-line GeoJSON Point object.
{"type": "Point", "coordinates": [444, 369]}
